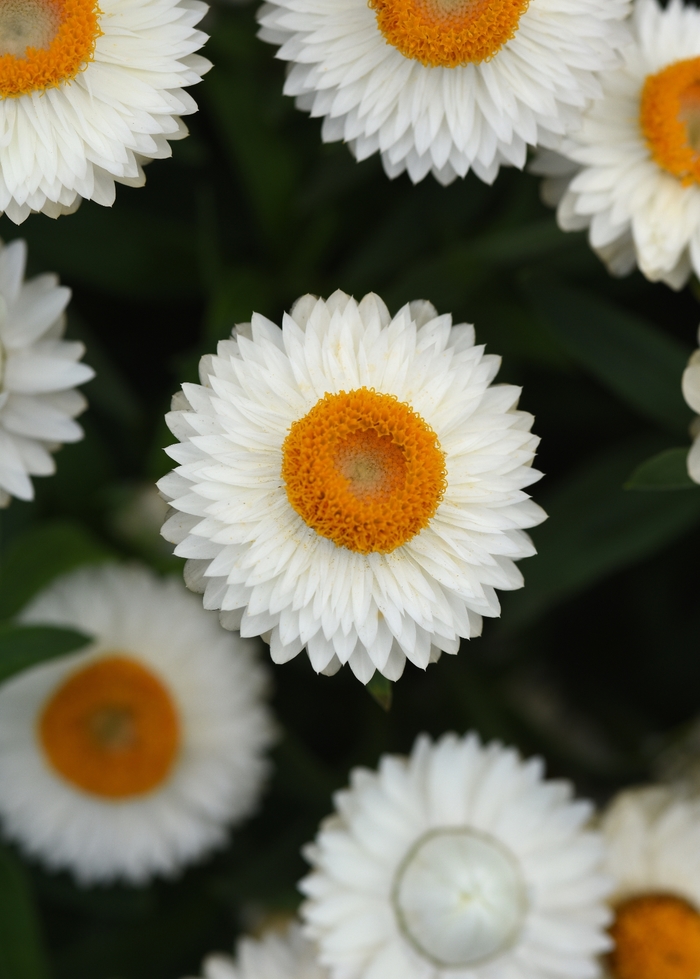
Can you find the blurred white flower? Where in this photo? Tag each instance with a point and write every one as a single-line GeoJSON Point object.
{"type": "Point", "coordinates": [352, 483]}
{"type": "Point", "coordinates": [652, 840]}
{"type": "Point", "coordinates": [275, 955]}
{"type": "Point", "coordinates": [134, 757]}
{"type": "Point", "coordinates": [38, 375]}
{"type": "Point", "coordinates": [443, 86]}
{"type": "Point", "coordinates": [88, 93]}
{"type": "Point", "coordinates": [459, 862]}
{"type": "Point", "coordinates": [691, 393]}
{"type": "Point", "coordinates": [631, 173]}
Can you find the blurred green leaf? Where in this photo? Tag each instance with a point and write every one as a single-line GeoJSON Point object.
{"type": "Point", "coordinates": [635, 360]}
{"type": "Point", "coordinates": [668, 470]}
{"type": "Point", "coordinates": [22, 646]}
{"type": "Point", "coordinates": [36, 557]}
{"type": "Point", "coordinates": [21, 948]}
{"type": "Point", "coordinates": [381, 690]}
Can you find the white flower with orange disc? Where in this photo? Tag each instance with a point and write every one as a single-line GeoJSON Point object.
{"type": "Point", "coordinates": [89, 91]}
{"type": "Point", "coordinates": [352, 484]}
{"type": "Point", "coordinates": [39, 372]}
{"type": "Point", "coordinates": [276, 955]}
{"type": "Point", "coordinates": [135, 756]}
{"type": "Point", "coordinates": [459, 862]}
{"type": "Point", "coordinates": [691, 393]}
{"type": "Point", "coordinates": [443, 86]}
{"type": "Point", "coordinates": [652, 840]}
{"type": "Point", "coordinates": [631, 173]}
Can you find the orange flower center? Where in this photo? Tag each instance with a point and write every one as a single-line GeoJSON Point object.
{"type": "Point", "coordinates": [448, 33]}
{"type": "Point", "coordinates": [657, 936]}
{"type": "Point", "coordinates": [364, 470]}
{"type": "Point", "coordinates": [670, 119]}
{"type": "Point", "coordinates": [44, 43]}
{"type": "Point", "coordinates": [112, 729]}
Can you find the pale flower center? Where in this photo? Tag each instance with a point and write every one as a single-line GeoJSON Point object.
{"type": "Point", "coordinates": [27, 24]}
{"type": "Point", "coordinates": [459, 897]}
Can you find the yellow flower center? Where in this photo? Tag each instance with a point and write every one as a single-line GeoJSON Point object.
{"type": "Point", "coordinates": [112, 729]}
{"type": "Point", "coordinates": [364, 470]}
{"type": "Point", "coordinates": [448, 33]}
{"type": "Point", "coordinates": [44, 43]}
{"type": "Point", "coordinates": [670, 119]}
{"type": "Point", "coordinates": [657, 936]}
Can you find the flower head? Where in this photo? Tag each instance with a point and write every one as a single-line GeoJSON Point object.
{"type": "Point", "coordinates": [89, 92]}
{"type": "Point", "coordinates": [631, 172]}
{"type": "Point", "coordinates": [459, 862]}
{"type": "Point", "coordinates": [133, 757]}
{"type": "Point", "coordinates": [352, 483]}
{"type": "Point", "coordinates": [691, 393]}
{"type": "Point", "coordinates": [38, 375]}
{"type": "Point", "coordinates": [444, 86]}
{"type": "Point", "coordinates": [275, 955]}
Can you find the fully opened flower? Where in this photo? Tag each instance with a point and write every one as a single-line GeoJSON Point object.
{"type": "Point", "coordinates": [631, 173]}
{"type": "Point", "coordinates": [443, 86]}
{"type": "Point", "coordinates": [133, 757]}
{"type": "Point", "coordinates": [459, 862]}
{"type": "Point", "coordinates": [352, 483]}
{"type": "Point", "coordinates": [38, 375]}
{"type": "Point", "coordinates": [691, 393]}
{"type": "Point", "coordinates": [89, 92]}
{"type": "Point", "coordinates": [653, 855]}
{"type": "Point", "coordinates": [276, 955]}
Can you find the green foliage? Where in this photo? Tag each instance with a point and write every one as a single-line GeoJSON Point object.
{"type": "Point", "coordinates": [22, 953]}
{"type": "Point", "coordinates": [667, 470]}
{"type": "Point", "coordinates": [25, 646]}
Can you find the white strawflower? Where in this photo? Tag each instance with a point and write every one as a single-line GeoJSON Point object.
{"type": "Point", "coordinates": [131, 758]}
{"type": "Point", "coordinates": [352, 483]}
{"type": "Point", "coordinates": [443, 86]}
{"type": "Point", "coordinates": [652, 840]}
{"type": "Point", "coordinates": [275, 955]}
{"type": "Point", "coordinates": [691, 393]}
{"type": "Point", "coordinates": [631, 172]}
{"type": "Point", "coordinates": [459, 862]}
{"type": "Point", "coordinates": [38, 374]}
{"type": "Point", "coordinates": [89, 92]}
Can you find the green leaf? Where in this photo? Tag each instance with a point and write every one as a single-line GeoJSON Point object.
{"type": "Point", "coordinates": [381, 690]}
{"type": "Point", "coordinates": [668, 470]}
{"type": "Point", "coordinates": [36, 557]}
{"type": "Point", "coordinates": [594, 529]}
{"type": "Point", "coordinates": [22, 646]}
{"type": "Point", "coordinates": [631, 357]}
{"type": "Point", "coordinates": [21, 949]}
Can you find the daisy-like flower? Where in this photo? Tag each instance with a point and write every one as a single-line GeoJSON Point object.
{"type": "Point", "coordinates": [691, 393]}
{"type": "Point", "coordinates": [352, 483]}
{"type": "Point", "coordinates": [38, 374]}
{"type": "Point", "coordinates": [459, 862]}
{"type": "Point", "coordinates": [653, 854]}
{"type": "Point", "coordinates": [631, 172]}
{"type": "Point", "coordinates": [89, 92]}
{"type": "Point", "coordinates": [443, 86]}
{"type": "Point", "coordinates": [276, 955]}
{"type": "Point", "coordinates": [133, 757]}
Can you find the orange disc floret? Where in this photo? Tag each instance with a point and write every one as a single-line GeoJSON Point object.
{"type": "Point", "coordinates": [670, 119]}
{"type": "Point", "coordinates": [70, 50]}
{"type": "Point", "coordinates": [448, 33]}
{"type": "Point", "coordinates": [364, 470]}
{"type": "Point", "coordinates": [112, 729]}
{"type": "Point", "coordinates": [657, 936]}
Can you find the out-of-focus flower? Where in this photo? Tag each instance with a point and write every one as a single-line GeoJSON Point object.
{"type": "Point", "coordinates": [443, 86]}
{"type": "Point", "coordinates": [691, 393]}
{"type": "Point", "coordinates": [132, 758]}
{"type": "Point", "coordinates": [276, 955]}
{"type": "Point", "coordinates": [38, 374]}
{"type": "Point", "coordinates": [653, 855]}
{"type": "Point", "coordinates": [459, 862]}
{"type": "Point", "coordinates": [88, 93]}
{"type": "Point", "coordinates": [631, 173]}
{"type": "Point", "coordinates": [352, 483]}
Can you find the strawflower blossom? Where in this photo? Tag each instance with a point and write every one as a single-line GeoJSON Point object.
{"type": "Point", "coordinates": [691, 393]}
{"type": "Point", "coordinates": [135, 756]}
{"type": "Point", "coordinates": [275, 955]}
{"type": "Point", "coordinates": [352, 483]}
